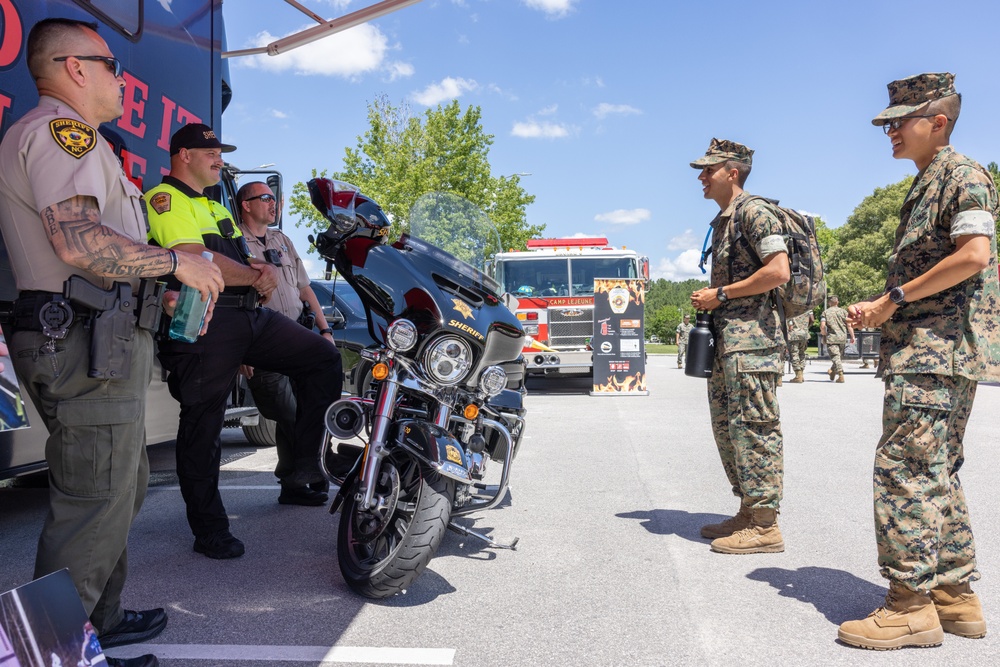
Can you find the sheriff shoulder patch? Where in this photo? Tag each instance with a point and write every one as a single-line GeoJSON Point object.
{"type": "Point", "coordinates": [160, 202]}
{"type": "Point", "coordinates": [74, 137]}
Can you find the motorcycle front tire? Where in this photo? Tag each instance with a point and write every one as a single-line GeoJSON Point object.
{"type": "Point", "coordinates": [387, 565]}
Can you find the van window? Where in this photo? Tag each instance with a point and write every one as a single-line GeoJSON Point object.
{"type": "Point", "coordinates": [125, 16]}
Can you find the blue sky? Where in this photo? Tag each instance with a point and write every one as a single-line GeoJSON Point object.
{"type": "Point", "coordinates": [605, 102]}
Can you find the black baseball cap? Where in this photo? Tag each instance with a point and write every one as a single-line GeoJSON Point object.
{"type": "Point", "coordinates": [197, 135]}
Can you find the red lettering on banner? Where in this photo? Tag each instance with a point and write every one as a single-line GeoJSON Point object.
{"type": "Point", "coordinates": [136, 93]}
{"type": "Point", "coordinates": [13, 33]}
{"type": "Point", "coordinates": [5, 103]}
{"type": "Point", "coordinates": [134, 166]}
{"type": "Point", "coordinates": [183, 117]}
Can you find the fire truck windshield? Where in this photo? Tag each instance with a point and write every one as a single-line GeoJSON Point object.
{"type": "Point", "coordinates": [563, 276]}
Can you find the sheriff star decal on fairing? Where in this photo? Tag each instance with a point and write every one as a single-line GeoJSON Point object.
{"type": "Point", "coordinates": [463, 308]}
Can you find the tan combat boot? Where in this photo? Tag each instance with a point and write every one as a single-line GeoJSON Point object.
{"type": "Point", "coordinates": [762, 536]}
{"type": "Point", "coordinates": [840, 378]}
{"type": "Point", "coordinates": [798, 379]}
{"type": "Point", "coordinates": [830, 373]}
{"type": "Point", "coordinates": [907, 618]}
{"type": "Point", "coordinates": [959, 610]}
{"type": "Point", "coordinates": [729, 526]}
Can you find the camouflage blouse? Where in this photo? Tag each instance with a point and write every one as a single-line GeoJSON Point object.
{"type": "Point", "coordinates": [798, 327]}
{"type": "Point", "coordinates": [746, 323]}
{"type": "Point", "coordinates": [836, 325]}
{"type": "Point", "coordinates": [957, 330]}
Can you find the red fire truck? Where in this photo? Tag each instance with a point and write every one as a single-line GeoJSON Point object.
{"type": "Point", "coordinates": [553, 281]}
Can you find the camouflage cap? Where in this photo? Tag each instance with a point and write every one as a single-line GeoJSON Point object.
{"type": "Point", "coordinates": [910, 94]}
{"type": "Point", "coordinates": [721, 150]}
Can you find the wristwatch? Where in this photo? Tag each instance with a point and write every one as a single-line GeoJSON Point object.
{"type": "Point", "coordinates": [326, 331]}
{"type": "Point", "coordinates": [897, 296]}
{"type": "Point", "coordinates": [720, 294]}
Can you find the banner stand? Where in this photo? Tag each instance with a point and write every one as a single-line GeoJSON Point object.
{"type": "Point", "coordinates": [618, 342]}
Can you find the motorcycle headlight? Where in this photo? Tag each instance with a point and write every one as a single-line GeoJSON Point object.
{"type": "Point", "coordinates": [448, 360]}
{"type": "Point", "coordinates": [493, 381]}
{"type": "Point", "coordinates": [401, 335]}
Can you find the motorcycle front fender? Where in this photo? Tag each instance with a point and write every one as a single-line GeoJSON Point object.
{"type": "Point", "coordinates": [435, 446]}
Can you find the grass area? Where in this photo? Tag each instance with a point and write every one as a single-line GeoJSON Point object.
{"type": "Point", "coordinates": [660, 348]}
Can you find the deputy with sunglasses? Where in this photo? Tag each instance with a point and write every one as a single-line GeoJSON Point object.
{"type": "Point", "coordinates": [273, 393]}
{"type": "Point", "coordinates": [67, 209]}
{"type": "Point", "coordinates": [203, 374]}
{"type": "Point", "coordinates": [939, 339]}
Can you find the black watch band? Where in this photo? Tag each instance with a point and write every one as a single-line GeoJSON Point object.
{"type": "Point", "coordinates": [897, 296]}
{"type": "Point", "coordinates": [326, 331]}
{"type": "Point", "coordinates": [720, 294]}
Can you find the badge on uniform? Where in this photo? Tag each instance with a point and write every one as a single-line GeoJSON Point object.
{"type": "Point", "coordinates": [160, 202]}
{"type": "Point", "coordinates": [74, 137]}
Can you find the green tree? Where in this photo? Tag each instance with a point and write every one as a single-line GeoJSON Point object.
{"type": "Point", "coordinates": [856, 262]}
{"type": "Point", "coordinates": [401, 157]}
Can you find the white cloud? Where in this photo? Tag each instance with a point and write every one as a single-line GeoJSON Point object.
{"type": "Point", "coordinates": [399, 70]}
{"type": "Point", "coordinates": [449, 89]}
{"type": "Point", "coordinates": [549, 110]}
{"type": "Point", "coordinates": [623, 216]}
{"type": "Point", "coordinates": [552, 8]}
{"type": "Point", "coordinates": [275, 113]}
{"type": "Point", "coordinates": [532, 129]}
{"type": "Point", "coordinates": [348, 54]}
{"type": "Point", "coordinates": [604, 110]}
{"type": "Point", "coordinates": [686, 240]}
{"type": "Point", "coordinates": [682, 267]}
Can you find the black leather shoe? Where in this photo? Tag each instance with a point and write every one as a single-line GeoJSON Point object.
{"type": "Point", "coordinates": [220, 544]}
{"type": "Point", "coordinates": [322, 487]}
{"type": "Point", "coordinates": [137, 626]}
{"type": "Point", "coordinates": [142, 661]}
{"type": "Point", "coordinates": [301, 495]}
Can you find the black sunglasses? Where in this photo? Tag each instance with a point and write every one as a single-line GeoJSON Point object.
{"type": "Point", "coordinates": [114, 65]}
{"type": "Point", "coordinates": [264, 198]}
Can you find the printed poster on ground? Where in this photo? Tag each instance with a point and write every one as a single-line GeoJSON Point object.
{"type": "Point", "coordinates": [618, 342]}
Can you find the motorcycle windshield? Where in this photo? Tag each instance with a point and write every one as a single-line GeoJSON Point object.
{"type": "Point", "coordinates": [457, 235]}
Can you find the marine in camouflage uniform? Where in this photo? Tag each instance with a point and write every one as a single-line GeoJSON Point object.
{"type": "Point", "coordinates": [683, 331]}
{"type": "Point", "coordinates": [938, 342]}
{"type": "Point", "coordinates": [798, 341]}
{"type": "Point", "coordinates": [838, 332]}
{"type": "Point", "coordinates": [748, 351]}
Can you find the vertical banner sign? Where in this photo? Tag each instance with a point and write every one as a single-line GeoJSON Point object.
{"type": "Point", "coordinates": [618, 342]}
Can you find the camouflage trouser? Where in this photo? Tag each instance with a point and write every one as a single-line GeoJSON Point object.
{"type": "Point", "coordinates": [682, 348]}
{"type": "Point", "coordinates": [745, 422]}
{"type": "Point", "coordinates": [798, 354]}
{"type": "Point", "coordinates": [921, 520]}
{"type": "Point", "coordinates": [836, 352]}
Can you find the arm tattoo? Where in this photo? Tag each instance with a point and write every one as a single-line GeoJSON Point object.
{"type": "Point", "coordinates": [78, 237]}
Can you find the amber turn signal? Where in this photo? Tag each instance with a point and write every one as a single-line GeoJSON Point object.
{"type": "Point", "coordinates": [380, 372]}
{"type": "Point", "coordinates": [471, 411]}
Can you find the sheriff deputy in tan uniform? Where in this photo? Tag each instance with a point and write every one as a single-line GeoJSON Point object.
{"type": "Point", "coordinates": [67, 209]}
{"type": "Point", "coordinates": [272, 392]}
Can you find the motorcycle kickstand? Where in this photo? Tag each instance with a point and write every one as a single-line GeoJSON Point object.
{"type": "Point", "coordinates": [461, 530]}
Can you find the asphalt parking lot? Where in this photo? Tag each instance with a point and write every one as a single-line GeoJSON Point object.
{"type": "Point", "coordinates": [607, 497]}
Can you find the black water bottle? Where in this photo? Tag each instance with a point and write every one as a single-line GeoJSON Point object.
{"type": "Point", "coordinates": [701, 348]}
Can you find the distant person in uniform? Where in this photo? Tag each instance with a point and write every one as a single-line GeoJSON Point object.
{"type": "Point", "coordinates": [837, 332]}
{"type": "Point", "coordinates": [273, 393]}
{"type": "Point", "coordinates": [67, 209]}
{"type": "Point", "coordinates": [798, 340]}
{"type": "Point", "coordinates": [681, 335]}
{"type": "Point", "coordinates": [933, 356]}
{"type": "Point", "coordinates": [749, 344]}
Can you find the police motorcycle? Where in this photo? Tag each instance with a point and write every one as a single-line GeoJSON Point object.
{"type": "Point", "coordinates": [444, 402]}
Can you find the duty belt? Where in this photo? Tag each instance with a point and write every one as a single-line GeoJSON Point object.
{"type": "Point", "coordinates": [29, 306]}
{"type": "Point", "coordinates": [249, 300]}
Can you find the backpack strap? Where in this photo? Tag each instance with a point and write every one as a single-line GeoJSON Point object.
{"type": "Point", "coordinates": [739, 237]}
